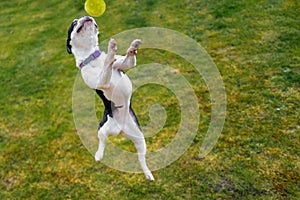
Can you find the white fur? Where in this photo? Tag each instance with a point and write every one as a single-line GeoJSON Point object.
{"type": "Point", "coordinates": [105, 73]}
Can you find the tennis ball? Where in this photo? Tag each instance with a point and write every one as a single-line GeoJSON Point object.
{"type": "Point", "coordinates": [95, 8]}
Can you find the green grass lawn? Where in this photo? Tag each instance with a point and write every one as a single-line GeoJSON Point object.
{"type": "Point", "coordinates": [256, 47]}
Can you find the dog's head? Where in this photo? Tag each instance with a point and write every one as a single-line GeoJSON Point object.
{"type": "Point", "coordinates": [82, 35]}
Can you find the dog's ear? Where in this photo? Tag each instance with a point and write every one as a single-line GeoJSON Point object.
{"type": "Point", "coordinates": [68, 45]}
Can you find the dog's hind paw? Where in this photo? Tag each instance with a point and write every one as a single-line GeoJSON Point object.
{"type": "Point", "coordinates": [149, 176]}
{"type": "Point", "coordinates": [98, 156]}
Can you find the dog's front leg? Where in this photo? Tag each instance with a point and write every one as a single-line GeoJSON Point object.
{"type": "Point", "coordinates": [128, 61]}
{"type": "Point", "coordinates": [105, 75]}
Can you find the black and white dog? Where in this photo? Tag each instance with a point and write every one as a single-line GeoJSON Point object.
{"type": "Point", "coordinates": [104, 73]}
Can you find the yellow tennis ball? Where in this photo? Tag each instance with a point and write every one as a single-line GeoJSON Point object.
{"type": "Point", "coordinates": [95, 8]}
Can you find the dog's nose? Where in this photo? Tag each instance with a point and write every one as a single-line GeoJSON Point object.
{"type": "Point", "coordinates": [87, 19]}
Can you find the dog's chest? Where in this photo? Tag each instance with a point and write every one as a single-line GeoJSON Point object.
{"type": "Point", "coordinates": [120, 89]}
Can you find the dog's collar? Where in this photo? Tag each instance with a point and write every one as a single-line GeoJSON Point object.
{"type": "Point", "coordinates": [93, 56]}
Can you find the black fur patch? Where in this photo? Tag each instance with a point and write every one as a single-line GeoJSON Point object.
{"type": "Point", "coordinates": [68, 45]}
{"type": "Point", "coordinates": [109, 107]}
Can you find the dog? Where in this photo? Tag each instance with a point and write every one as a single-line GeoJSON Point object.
{"type": "Point", "coordinates": [104, 73]}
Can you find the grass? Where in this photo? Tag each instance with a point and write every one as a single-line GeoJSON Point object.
{"type": "Point", "coordinates": [256, 46]}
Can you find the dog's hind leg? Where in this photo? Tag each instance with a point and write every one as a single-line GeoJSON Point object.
{"type": "Point", "coordinates": [107, 127]}
{"type": "Point", "coordinates": [136, 136]}
{"type": "Point", "coordinates": [140, 146]}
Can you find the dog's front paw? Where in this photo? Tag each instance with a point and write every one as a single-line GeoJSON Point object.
{"type": "Point", "coordinates": [136, 43]}
{"type": "Point", "coordinates": [112, 46]}
{"type": "Point", "coordinates": [134, 47]}
{"type": "Point", "coordinates": [111, 52]}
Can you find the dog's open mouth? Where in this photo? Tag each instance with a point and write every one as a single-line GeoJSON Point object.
{"type": "Point", "coordinates": [86, 20]}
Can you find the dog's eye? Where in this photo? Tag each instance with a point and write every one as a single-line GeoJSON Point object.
{"type": "Point", "coordinates": [96, 26]}
{"type": "Point", "coordinates": [74, 22]}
